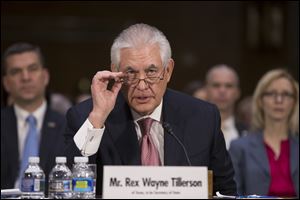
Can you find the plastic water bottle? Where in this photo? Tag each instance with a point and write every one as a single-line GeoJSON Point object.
{"type": "Point", "coordinates": [82, 182]}
{"type": "Point", "coordinates": [33, 180]}
{"type": "Point", "coordinates": [60, 180]}
{"type": "Point", "coordinates": [93, 167]}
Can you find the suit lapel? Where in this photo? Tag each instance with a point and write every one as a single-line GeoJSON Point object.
{"type": "Point", "coordinates": [122, 130]}
{"type": "Point", "coordinates": [12, 134]}
{"type": "Point", "coordinates": [11, 143]}
{"type": "Point", "coordinates": [259, 154]}
{"type": "Point", "coordinates": [48, 132]}
{"type": "Point", "coordinates": [126, 142]}
{"type": "Point", "coordinates": [171, 146]}
{"type": "Point", "coordinates": [294, 156]}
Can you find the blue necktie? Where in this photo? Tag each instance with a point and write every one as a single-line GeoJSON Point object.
{"type": "Point", "coordinates": [31, 144]}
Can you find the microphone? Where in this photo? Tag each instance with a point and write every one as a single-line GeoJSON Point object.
{"type": "Point", "coordinates": [168, 128]}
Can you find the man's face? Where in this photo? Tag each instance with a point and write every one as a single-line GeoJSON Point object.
{"type": "Point", "coordinates": [25, 78]}
{"type": "Point", "coordinates": [222, 89]}
{"type": "Point", "coordinates": [144, 95]}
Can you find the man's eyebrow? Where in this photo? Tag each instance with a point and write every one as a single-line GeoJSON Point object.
{"type": "Point", "coordinates": [152, 66]}
{"type": "Point", "coordinates": [34, 65]}
{"type": "Point", "coordinates": [132, 68]}
{"type": "Point", "coordinates": [20, 68]}
{"type": "Point", "coordinates": [129, 68]}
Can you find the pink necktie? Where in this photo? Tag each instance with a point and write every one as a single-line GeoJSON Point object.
{"type": "Point", "coordinates": [149, 153]}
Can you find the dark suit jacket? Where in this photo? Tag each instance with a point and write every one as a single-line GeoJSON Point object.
{"type": "Point", "coordinates": [241, 128]}
{"type": "Point", "coordinates": [50, 144]}
{"type": "Point", "coordinates": [250, 160]}
{"type": "Point", "coordinates": [195, 122]}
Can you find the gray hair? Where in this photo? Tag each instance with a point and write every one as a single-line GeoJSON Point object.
{"type": "Point", "coordinates": [138, 35]}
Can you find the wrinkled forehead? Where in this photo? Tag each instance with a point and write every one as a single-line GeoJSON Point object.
{"type": "Point", "coordinates": [140, 56]}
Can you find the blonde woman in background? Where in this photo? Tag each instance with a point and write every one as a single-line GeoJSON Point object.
{"type": "Point", "coordinates": [266, 162]}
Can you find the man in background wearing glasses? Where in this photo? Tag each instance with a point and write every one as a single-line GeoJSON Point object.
{"type": "Point", "coordinates": [110, 127]}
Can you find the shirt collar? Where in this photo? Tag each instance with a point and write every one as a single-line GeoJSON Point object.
{"type": "Point", "coordinates": [38, 113]}
{"type": "Point", "coordinates": [156, 114]}
{"type": "Point", "coordinates": [229, 122]}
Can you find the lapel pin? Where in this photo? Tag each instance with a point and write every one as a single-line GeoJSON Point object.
{"type": "Point", "coordinates": [51, 124]}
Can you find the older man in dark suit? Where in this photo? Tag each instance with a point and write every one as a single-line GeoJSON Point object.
{"type": "Point", "coordinates": [134, 128]}
{"type": "Point", "coordinates": [28, 127]}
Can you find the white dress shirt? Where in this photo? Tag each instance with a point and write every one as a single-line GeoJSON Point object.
{"type": "Point", "coordinates": [87, 138]}
{"type": "Point", "coordinates": [23, 126]}
{"type": "Point", "coordinates": [229, 130]}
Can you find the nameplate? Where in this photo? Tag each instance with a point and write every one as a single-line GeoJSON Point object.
{"type": "Point", "coordinates": [147, 182]}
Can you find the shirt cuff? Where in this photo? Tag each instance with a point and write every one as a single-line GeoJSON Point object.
{"type": "Point", "coordinates": [88, 138]}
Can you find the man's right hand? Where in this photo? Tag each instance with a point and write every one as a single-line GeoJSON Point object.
{"type": "Point", "coordinates": [103, 99]}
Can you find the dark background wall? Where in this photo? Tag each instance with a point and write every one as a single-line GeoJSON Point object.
{"type": "Point", "coordinates": [253, 36]}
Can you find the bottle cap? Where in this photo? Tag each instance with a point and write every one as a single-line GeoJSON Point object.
{"type": "Point", "coordinates": [61, 159]}
{"type": "Point", "coordinates": [81, 159]}
{"type": "Point", "coordinates": [34, 159]}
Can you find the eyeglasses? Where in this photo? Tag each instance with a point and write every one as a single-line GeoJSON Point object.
{"type": "Point", "coordinates": [275, 95]}
{"type": "Point", "coordinates": [152, 77]}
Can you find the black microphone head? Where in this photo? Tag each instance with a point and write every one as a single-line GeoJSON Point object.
{"type": "Point", "coordinates": [167, 126]}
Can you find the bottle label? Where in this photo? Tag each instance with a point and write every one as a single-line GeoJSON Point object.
{"type": "Point", "coordinates": [27, 185]}
{"type": "Point", "coordinates": [60, 186]}
{"type": "Point", "coordinates": [82, 184]}
{"type": "Point", "coordinates": [32, 185]}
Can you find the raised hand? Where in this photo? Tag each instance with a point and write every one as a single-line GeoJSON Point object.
{"type": "Point", "coordinates": [103, 99]}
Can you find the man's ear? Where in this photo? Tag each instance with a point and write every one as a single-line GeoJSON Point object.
{"type": "Point", "coordinates": [238, 94]}
{"type": "Point", "coordinates": [113, 68]}
{"type": "Point", "coordinates": [6, 84]}
{"type": "Point", "coordinates": [46, 76]}
{"type": "Point", "coordinates": [169, 69]}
